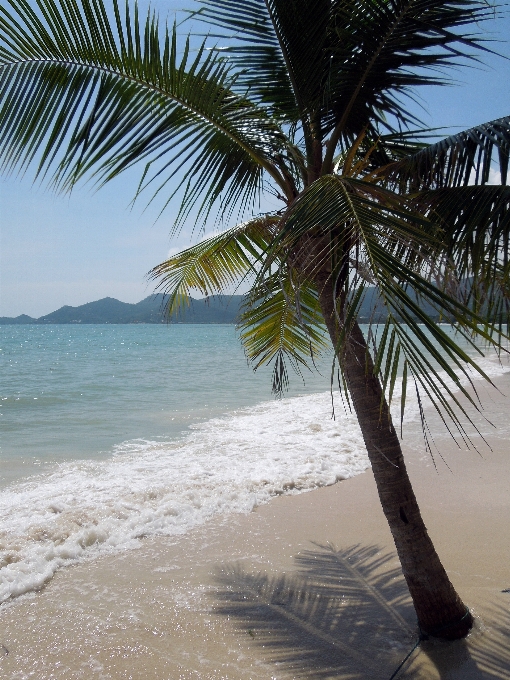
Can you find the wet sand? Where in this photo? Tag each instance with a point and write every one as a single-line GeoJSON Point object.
{"type": "Point", "coordinates": [307, 586]}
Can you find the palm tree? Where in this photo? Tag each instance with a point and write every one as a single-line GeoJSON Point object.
{"type": "Point", "coordinates": [306, 100]}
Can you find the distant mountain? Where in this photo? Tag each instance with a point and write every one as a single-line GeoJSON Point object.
{"type": "Point", "coordinates": [220, 309]}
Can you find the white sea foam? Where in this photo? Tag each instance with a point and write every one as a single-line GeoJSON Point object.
{"type": "Point", "coordinates": [228, 464]}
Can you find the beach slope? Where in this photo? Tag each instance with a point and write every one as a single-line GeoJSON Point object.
{"type": "Point", "coordinates": [307, 586]}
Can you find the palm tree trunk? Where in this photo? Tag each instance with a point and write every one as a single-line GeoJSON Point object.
{"type": "Point", "coordinates": [440, 610]}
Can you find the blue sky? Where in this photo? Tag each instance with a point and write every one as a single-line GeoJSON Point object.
{"type": "Point", "coordinates": [70, 250]}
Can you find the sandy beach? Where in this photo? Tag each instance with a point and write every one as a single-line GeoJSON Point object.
{"type": "Point", "coordinates": [307, 586]}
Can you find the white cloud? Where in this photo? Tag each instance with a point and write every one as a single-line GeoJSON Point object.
{"type": "Point", "coordinates": [494, 177]}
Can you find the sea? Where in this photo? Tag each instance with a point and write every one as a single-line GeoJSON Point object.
{"type": "Point", "coordinates": [112, 433]}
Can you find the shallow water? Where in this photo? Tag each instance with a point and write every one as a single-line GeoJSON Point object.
{"type": "Point", "coordinates": [113, 433]}
{"type": "Point", "coordinates": [70, 391]}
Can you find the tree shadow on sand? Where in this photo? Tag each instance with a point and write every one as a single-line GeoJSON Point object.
{"type": "Point", "coordinates": [344, 614]}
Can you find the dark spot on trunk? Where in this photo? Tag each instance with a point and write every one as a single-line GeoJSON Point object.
{"type": "Point", "coordinates": [403, 516]}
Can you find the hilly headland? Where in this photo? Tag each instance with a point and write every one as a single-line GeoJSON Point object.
{"type": "Point", "coordinates": [217, 309]}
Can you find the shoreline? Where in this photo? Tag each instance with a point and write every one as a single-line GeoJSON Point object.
{"type": "Point", "coordinates": [306, 586]}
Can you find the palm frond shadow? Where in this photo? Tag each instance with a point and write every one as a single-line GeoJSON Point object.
{"type": "Point", "coordinates": [348, 614]}
{"type": "Point", "coordinates": [344, 613]}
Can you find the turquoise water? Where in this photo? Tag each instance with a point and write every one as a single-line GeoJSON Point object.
{"type": "Point", "coordinates": [70, 391]}
{"type": "Point", "coordinates": [113, 433]}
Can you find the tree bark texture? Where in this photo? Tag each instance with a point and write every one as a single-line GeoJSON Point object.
{"type": "Point", "coordinates": [439, 609]}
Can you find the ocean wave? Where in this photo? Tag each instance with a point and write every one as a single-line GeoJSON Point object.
{"type": "Point", "coordinates": [225, 465]}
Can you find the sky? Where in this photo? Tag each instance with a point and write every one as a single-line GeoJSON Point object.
{"type": "Point", "coordinates": [69, 250]}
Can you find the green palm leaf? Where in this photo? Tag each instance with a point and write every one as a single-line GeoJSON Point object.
{"type": "Point", "coordinates": [281, 320]}
{"type": "Point", "coordinates": [382, 51]}
{"type": "Point", "coordinates": [253, 48]}
{"type": "Point", "coordinates": [215, 263]}
{"type": "Point", "coordinates": [337, 67]}
{"type": "Point", "coordinates": [81, 95]}
{"type": "Point", "coordinates": [338, 208]}
{"type": "Point", "coordinates": [461, 159]}
{"type": "Point", "coordinates": [476, 226]}
{"type": "Point", "coordinates": [397, 250]}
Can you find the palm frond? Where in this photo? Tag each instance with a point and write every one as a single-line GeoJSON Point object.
{"type": "Point", "coordinates": [476, 226]}
{"type": "Point", "coordinates": [214, 264]}
{"type": "Point", "coordinates": [247, 36]}
{"type": "Point", "coordinates": [362, 234]}
{"type": "Point", "coordinates": [281, 321]}
{"type": "Point", "coordinates": [279, 49]}
{"type": "Point", "coordinates": [459, 160]}
{"type": "Point", "coordinates": [382, 51]}
{"type": "Point", "coordinates": [81, 95]}
{"type": "Point", "coordinates": [330, 216]}
{"type": "Point", "coordinates": [389, 46]}
{"type": "Point", "coordinates": [415, 305]}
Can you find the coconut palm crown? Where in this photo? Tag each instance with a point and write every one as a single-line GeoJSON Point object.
{"type": "Point", "coordinates": [307, 100]}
